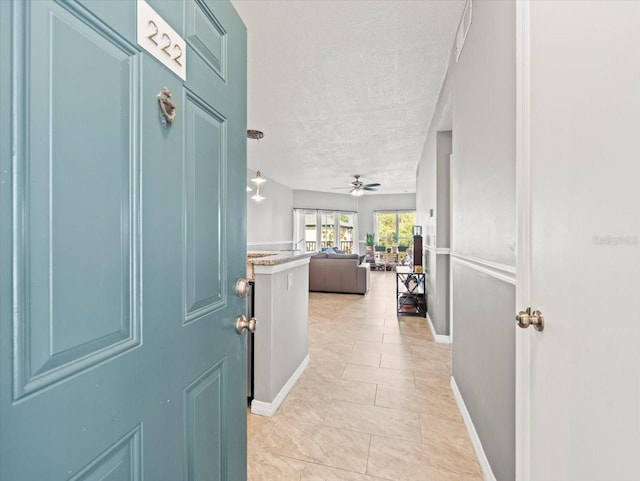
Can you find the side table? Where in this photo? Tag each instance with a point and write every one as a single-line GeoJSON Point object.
{"type": "Point", "coordinates": [410, 293]}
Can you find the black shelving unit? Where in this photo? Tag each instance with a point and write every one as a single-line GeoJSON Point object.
{"type": "Point", "coordinates": [411, 294]}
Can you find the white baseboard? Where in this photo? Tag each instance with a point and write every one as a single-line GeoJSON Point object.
{"type": "Point", "coordinates": [487, 472]}
{"type": "Point", "coordinates": [269, 409]}
{"type": "Point", "coordinates": [439, 338]}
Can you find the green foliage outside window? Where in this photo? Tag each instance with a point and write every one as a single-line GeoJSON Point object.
{"type": "Point", "coordinates": [387, 234]}
{"type": "Point", "coordinates": [406, 221]}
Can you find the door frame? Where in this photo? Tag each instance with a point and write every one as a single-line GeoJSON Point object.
{"type": "Point", "coordinates": [523, 239]}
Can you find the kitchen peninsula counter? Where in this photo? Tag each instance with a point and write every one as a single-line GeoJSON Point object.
{"type": "Point", "coordinates": [272, 258]}
{"type": "Point", "coordinates": [281, 301]}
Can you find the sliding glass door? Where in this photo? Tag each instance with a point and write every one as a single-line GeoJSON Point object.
{"type": "Point", "coordinates": [327, 229]}
{"type": "Point", "coordinates": [346, 228]}
{"type": "Point", "coordinates": [323, 228]}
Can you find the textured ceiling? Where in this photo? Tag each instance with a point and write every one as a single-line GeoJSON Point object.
{"type": "Point", "coordinates": [344, 87]}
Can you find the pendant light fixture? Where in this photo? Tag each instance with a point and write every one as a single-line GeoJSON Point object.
{"type": "Point", "coordinates": [258, 179]}
{"type": "Point", "coordinates": [257, 196]}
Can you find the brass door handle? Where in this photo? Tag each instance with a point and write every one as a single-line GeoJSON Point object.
{"type": "Point", "coordinates": [242, 323]}
{"type": "Point", "coordinates": [530, 318]}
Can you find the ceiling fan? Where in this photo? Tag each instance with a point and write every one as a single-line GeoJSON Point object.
{"type": "Point", "coordinates": [358, 187]}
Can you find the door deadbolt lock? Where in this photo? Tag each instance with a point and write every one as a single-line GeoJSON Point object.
{"type": "Point", "coordinates": [530, 318]}
{"type": "Point", "coordinates": [242, 323]}
{"type": "Point", "coordinates": [242, 287]}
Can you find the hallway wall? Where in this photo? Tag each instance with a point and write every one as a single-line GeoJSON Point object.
{"type": "Point", "coordinates": [483, 230]}
{"type": "Point", "coordinates": [434, 214]}
{"type": "Point", "coordinates": [433, 206]}
{"type": "Point", "coordinates": [270, 222]}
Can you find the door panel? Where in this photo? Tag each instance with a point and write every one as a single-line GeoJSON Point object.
{"type": "Point", "coordinates": [207, 37]}
{"type": "Point", "coordinates": [204, 190]}
{"type": "Point", "coordinates": [69, 324]}
{"type": "Point", "coordinates": [117, 233]}
{"type": "Point", "coordinates": [583, 416]}
{"type": "Point", "coordinates": [205, 429]}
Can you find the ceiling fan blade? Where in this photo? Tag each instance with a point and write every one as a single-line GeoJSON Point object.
{"type": "Point", "coordinates": [350, 187]}
{"type": "Point", "coordinates": [375, 184]}
{"type": "Point", "coordinates": [366, 187]}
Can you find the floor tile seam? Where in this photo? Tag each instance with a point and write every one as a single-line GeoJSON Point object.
{"type": "Point", "coordinates": [381, 382]}
{"type": "Point", "coordinates": [419, 413]}
{"type": "Point", "coordinates": [355, 430]}
{"type": "Point", "coordinates": [459, 448]}
{"type": "Point", "coordinates": [302, 457]}
{"type": "Point", "coordinates": [365, 404]}
{"type": "Point", "coordinates": [383, 368]}
{"type": "Point", "coordinates": [416, 390]}
{"type": "Point", "coordinates": [297, 423]}
{"type": "Point", "coordinates": [288, 457]}
{"type": "Point", "coordinates": [379, 407]}
{"type": "Point", "coordinates": [356, 364]}
{"type": "Point", "coordinates": [361, 473]}
{"type": "Point", "coordinates": [368, 433]}
{"type": "Point", "coordinates": [266, 435]}
{"type": "Point", "coordinates": [306, 409]}
{"type": "Point", "coordinates": [371, 349]}
{"type": "Point", "coordinates": [366, 468]}
{"type": "Point", "coordinates": [354, 381]}
{"type": "Point", "coordinates": [463, 471]}
{"type": "Point", "coordinates": [311, 459]}
{"type": "Point", "coordinates": [408, 340]}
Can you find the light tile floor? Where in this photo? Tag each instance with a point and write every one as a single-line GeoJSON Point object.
{"type": "Point", "coordinates": [374, 404]}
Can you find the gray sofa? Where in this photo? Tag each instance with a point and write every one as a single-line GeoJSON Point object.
{"type": "Point", "coordinates": [338, 273]}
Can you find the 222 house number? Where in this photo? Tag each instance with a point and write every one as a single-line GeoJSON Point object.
{"type": "Point", "coordinates": [164, 42]}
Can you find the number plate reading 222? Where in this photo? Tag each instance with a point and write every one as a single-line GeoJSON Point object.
{"type": "Point", "coordinates": [157, 37]}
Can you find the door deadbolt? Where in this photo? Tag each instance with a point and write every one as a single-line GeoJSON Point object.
{"type": "Point", "coordinates": [530, 318]}
{"type": "Point", "coordinates": [242, 323]}
{"type": "Point", "coordinates": [242, 287]}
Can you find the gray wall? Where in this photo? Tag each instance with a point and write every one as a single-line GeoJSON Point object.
{"type": "Point", "coordinates": [270, 222]}
{"type": "Point", "coordinates": [483, 362]}
{"type": "Point", "coordinates": [444, 145]}
{"type": "Point", "coordinates": [483, 229]}
{"type": "Point", "coordinates": [281, 341]}
{"type": "Point", "coordinates": [432, 193]}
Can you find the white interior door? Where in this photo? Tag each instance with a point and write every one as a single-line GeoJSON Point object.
{"type": "Point", "coordinates": [578, 388]}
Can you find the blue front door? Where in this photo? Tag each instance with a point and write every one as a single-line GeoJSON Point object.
{"type": "Point", "coordinates": [120, 242]}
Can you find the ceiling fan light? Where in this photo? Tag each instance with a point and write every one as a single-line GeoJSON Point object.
{"type": "Point", "coordinates": [258, 179]}
{"type": "Point", "coordinates": [357, 192]}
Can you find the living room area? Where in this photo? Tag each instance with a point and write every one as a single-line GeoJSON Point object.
{"type": "Point", "coordinates": [373, 399]}
{"type": "Point", "coordinates": [349, 113]}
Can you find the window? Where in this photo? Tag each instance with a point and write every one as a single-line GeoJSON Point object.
{"type": "Point", "coordinates": [327, 230]}
{"type": "Point", "coordinates": [394, 227]}
{"type": "Point", "coordinates": [346, 231]}
{"type": "Point", "coordinates": [324, 228]}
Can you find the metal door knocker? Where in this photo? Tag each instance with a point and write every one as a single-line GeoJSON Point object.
{"type": "Point", "coordinates": [167, 107]}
